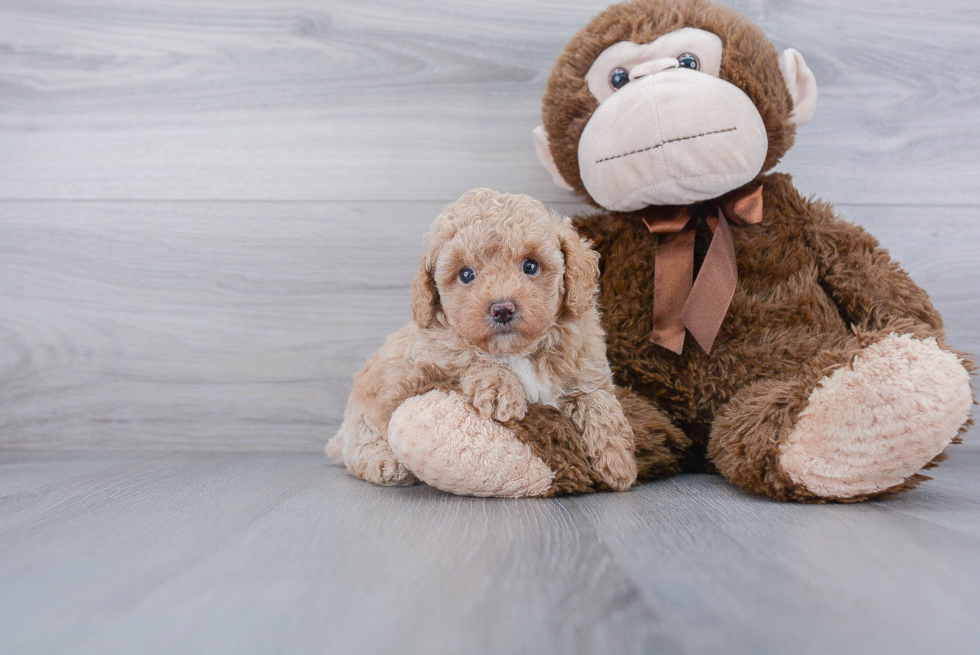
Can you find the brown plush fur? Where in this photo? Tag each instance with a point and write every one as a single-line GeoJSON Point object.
{"type": "Point", "coordinates": [813, 290]}
{"type": "Point", "coordinates": [555, 440]}
{"type": "Point", "coordinates": [659, 444]}
{"type": "Point", "coordinates": [554, 339]}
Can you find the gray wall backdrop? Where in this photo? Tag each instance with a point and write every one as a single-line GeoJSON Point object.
{"type": "Point", "coordinates": [210, 210]}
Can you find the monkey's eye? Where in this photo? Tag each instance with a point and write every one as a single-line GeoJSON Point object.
{"type": "Point", "coordinates": [530, 267]}
{"type": "Point", "coordinates": [687, 60]}
{"type": "Point", "coordinates": [619, 78]}
{"type": "Point", "coordinates": [467, 275]}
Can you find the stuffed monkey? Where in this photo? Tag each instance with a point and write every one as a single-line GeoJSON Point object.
{"type": "Point", "coordinates": [759, 336]}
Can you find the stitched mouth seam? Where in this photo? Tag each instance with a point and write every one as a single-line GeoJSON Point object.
{"type": "Point", "coordinates": [663, 143]}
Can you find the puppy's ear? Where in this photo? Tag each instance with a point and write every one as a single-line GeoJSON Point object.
{"type": "Point", "coordinates": [425, 297]}
{"type": "Point", "coordinates": [581, 270]}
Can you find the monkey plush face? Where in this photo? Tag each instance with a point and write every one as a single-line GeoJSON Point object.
{"type": "Point", "coordinates": [668, 130]}
{"type": "Point", "coordinates": [661, 102]}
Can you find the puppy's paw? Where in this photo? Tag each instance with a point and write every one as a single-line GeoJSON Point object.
{"type": "Point", "coordinates": [617, 468]}
{"type": "Point", "coordinates": [376, 463]}
{"type": "Point", "coordinates": [511, 400]}
{"type": "Point", "coordinates": [477, 387]}
{"type": "Point", "coordinates": [496, 393]}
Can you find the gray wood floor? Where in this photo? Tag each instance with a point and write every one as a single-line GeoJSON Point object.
{"type": "Point", "coordinates": [283, 553]}
{"type": "Point", "coordinates": [209, 214]}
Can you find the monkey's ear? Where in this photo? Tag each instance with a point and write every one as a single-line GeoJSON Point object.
{"type": "Point", "coordinates": [801, 83]}
{"type": "Point", "coordinates": [546, 159]}
{"type": "Point", "coordinates": [425, 297]}
{"type": "Point", "coordinates": [581, 270]}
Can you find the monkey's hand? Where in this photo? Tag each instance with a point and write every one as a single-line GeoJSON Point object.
{"type": "Point", "coordinates": [495, 392]}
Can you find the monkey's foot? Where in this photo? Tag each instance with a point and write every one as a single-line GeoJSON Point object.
{"type": "Point", "coordinates": [871, 425]}
{"type": "Point", "coordinates": [442, 439]}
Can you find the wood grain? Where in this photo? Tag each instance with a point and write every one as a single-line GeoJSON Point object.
{"type": "Point", "coordinates": [820, 579]}
{"type": "Point", "coordinates": [240, 325]}
{"type": "Point", "coordinates": [373, 100]}
{"type": "Point", "coordinates": [246, 318]}
{"type": "Point", "coordinates": [209, 215]}
{"type": "Point", "coordinates": [258, 553]}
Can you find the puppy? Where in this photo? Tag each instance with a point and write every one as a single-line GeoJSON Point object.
{"type": "Point", "coordinates": [503, 308]}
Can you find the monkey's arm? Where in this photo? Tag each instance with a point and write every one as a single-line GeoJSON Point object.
{"type": "Point", "coordinates": [870, 290]}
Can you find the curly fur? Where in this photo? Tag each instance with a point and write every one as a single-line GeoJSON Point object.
{"type": "Point", "coordinates": [554, 341]}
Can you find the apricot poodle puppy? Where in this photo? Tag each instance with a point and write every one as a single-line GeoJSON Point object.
{"type": "Point", "coordinates": [503, 310]}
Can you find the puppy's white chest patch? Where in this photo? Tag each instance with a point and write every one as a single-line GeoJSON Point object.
{"type": "Point", "coordinates": [536, 389]}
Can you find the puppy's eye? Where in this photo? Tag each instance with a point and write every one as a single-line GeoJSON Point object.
{"type": "Point", "coordinates": [618, 78]}
{"type": "Point", "coordinates": [530, 267]}
{"type": "Point", "coordinates": [467, 275]}
{"type": "Point", "coordinates": [688, 60]}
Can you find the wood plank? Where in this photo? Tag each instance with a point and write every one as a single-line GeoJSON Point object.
{"type": "Point", "coordinates": [240, 325]}
{"type": "Point", "coordinates": [93, 553]}
{"type": "Point", "coordinates": [951, 502]}
{"type": "Point", "coordinates": [250, 319]}
{"type": "Point", "coordinates": [738, 574]}
{"type": "Point", "coordinates": [260, 552]}
{"type": "Point", "coordinates": [34, 482]}
{"type": "Point", "coordinates": [264, 553]}
{"type": "Point", "coordinates": [375, 99]}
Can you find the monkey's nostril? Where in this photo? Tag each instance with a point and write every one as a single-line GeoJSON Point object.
{"type": "Point", "coordinates": [503, 312]}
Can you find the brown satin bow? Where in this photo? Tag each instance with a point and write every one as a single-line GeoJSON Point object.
{"type": "Point", "coordinates": [699, 306]}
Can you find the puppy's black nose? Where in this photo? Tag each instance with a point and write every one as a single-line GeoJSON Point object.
{"type": "Point", "coordinates": [502, 312]}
